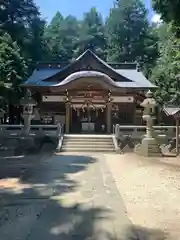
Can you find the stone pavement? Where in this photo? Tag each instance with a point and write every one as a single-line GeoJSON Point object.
{"type": "Point", "coordinates": [64, 197]}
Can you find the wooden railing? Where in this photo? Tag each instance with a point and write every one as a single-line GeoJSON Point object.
{"type": "Point", "coordinates": [15, 130]}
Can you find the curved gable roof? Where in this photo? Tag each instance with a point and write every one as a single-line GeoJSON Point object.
{"type": "Point", "coordinates": [89, 63]}
{"type": "Point", "coordinates": [85, 74]}
{"type": "Point", "coordinates": [86, 62]}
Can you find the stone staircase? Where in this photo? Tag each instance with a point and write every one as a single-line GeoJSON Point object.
{"type": "Point", "coordinates": [87, 143]}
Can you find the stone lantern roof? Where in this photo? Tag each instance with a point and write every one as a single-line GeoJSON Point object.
{"type": "Point", "coordinates": [149, 101]}
{"type": "Point", "coordinates": [28, 100]}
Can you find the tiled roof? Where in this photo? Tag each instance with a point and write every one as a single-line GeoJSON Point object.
{"type": "Point", "coordinates": [137, 77]}
{"type": "Point", "coordinates": [38, 76]}
{"type": "Point", "coordinates": [130, 78]}
{"type": "Point", "coordinates": [171, 111]}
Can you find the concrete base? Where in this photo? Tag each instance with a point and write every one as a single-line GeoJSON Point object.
{"type": "Point", "coordinates": [26, 143]}
{"type": "Point", "coordinates": [149, 148]}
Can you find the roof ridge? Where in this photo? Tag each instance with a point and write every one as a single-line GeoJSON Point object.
{"type": "Point", "coordinates": [98, 58]}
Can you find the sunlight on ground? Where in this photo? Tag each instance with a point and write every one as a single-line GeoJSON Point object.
{"type": "Point", "coordinates": [149, 187]}
{"type": "Point", "coordinates": [13, 157]}
{"type": "Point", "coordinates": [13, 185]}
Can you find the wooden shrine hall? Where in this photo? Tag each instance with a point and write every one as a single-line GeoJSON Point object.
{"type": "Point", "coordinates": [88, 95]}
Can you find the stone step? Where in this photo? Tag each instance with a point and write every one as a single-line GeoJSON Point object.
{"type": "Point", "coordinates": [88, 143]}
{"type": "Point", "coordinates": [80, 148]}
{"type": "Point", "coordinates": [84, 149]}
{"type": "Point", "coordinates": [87, 146]}
{"type": "Point", "coordinates": [88, 139]}
{"type": "Point", "coordinates": [87, 135]}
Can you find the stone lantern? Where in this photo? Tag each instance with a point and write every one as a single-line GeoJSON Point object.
{"type": "Point", "coordinates": [149, 145]}
{"type": "Point", "coordinates": [149, 105]}
{"type": "Point", "coordinates": [28, 104]}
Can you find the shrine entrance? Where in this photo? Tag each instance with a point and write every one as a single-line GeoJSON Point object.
{"type": "Point", "coordinates": [88, 119]}
{"type": "Point", "coordinates": [88, 110]}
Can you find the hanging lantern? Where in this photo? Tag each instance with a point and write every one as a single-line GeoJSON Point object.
{"type": "Point", "coordinates": [109, 96]}
{"type": "Point", "coordinates": [67, 96]}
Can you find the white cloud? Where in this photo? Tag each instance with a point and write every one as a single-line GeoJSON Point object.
{"type": "Point", "coordinates": [156, 18]}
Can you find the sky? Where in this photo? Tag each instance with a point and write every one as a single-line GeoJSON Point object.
{"type": "Point", "coordinates": [48, 8]}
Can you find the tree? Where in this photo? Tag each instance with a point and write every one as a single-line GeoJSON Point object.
{"type": "Point", "coordinates": [21, 20]}
{"type": "Point", "coordinates": [92, 34]}
{"type": "Point", "coordinates": [166, 72]}
{"type": "Point", "coordinates": [60, 36]}
{"type": "Point", "coordinates": [163, 32]}
{"type": "Point", "coordinates": [130, 37]}
{"type": "Point", "coordinates": [169, 10]}
{"type": "Point", "coordinates": [70, 31]}
{"type": "Point", "coordinates": [15, 17]}
{"type": "Point", "coordinates": [12, 65]}
{"type": "Point", "coordinates": [35, 46]}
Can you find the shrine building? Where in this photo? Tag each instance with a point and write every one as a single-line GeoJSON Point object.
{"type": "Point", "coordinates": [88, 95]}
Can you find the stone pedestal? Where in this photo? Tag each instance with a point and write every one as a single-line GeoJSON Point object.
{"type": "Point", "coordinates": [27, 123]}
{"type": "Point", "coordinates": [28, 103]}
{"type": "Point", "coordinates": [149, 148]}
{"type": "Point", "coordinates": [27, 144]}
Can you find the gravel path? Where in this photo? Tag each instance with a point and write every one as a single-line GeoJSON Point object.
{"type": "Point", "coordinates": [151, 191]}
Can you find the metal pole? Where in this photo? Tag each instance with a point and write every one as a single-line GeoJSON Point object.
{"type": "Point", "coordinates": [177, 137]}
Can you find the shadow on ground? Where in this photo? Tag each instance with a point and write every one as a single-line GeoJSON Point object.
{"type": "Point", "coordinates": [142, 233]}
{"type": "Point", "coordinates": [32, 208]}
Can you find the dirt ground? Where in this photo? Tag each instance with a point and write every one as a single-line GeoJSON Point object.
{"type": "Point", "coordinates": [150, 189]}
{"type": "Point", "coordinates": [147, 195]}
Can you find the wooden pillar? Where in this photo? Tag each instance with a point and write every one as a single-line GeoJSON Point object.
{"type": "Point", "coordinates": [68, 109]}
{"type": "Point", "coordinates": [109, 117]}
{"type": "Point", "coordinates": [177, 136]}
{"type": "Point", "coordinates": [134, 120]}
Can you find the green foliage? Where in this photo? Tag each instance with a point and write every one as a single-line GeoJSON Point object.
{"type": "Point", "coordinates": [61, 35]}
{"type": "Point", "coordinates": [167, 70]}
{"type": "Point", "coordinates": [130, 37]}
{"type": "Point", "coordinates": [163, 32]}
{"type": "Point", "coordinates": [34, 45]}
{"type": "Point", "coordinates": [12, 65]}
{"type": "Point", "coordinates": [15, 17]}
{"type": "Point", "coordinates": [68, 38]}
{"type": "Point", "coordinates": [169, 10]}
{"type": "Point", "coordinates": [92, 34]}
{"type": "Point", "coordinates": [166, 73]}
{"type": "Point", "coordinates": [21, 43]}
{"type": "Point", "coordinates": [21, 20]}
